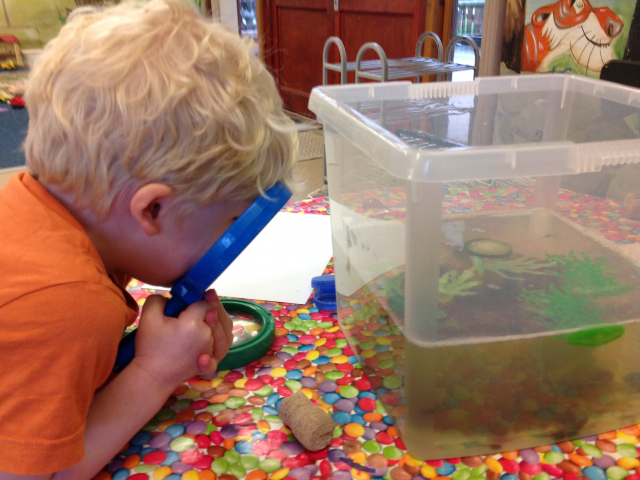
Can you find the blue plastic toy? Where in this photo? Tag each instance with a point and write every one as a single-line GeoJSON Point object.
{"type": "Point", "coordinates": [325, 297]}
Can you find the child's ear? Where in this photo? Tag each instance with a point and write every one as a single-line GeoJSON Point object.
{"type": "Point", "coordinates": [148, 204]}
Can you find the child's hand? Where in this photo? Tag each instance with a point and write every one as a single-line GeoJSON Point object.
{"type": "Point", "coordinates": [221, 347]}
{"type": "Point", "coordinates": [173, 350]}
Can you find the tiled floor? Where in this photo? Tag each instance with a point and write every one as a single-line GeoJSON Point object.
{"type": "Point", "coordinates": [309, 173]}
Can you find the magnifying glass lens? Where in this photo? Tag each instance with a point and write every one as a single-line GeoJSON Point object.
{"type": "Point", "coordinates": [245, 327]}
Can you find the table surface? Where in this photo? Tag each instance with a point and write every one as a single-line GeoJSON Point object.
{"type": "Point", "coordinates": [226, 426]}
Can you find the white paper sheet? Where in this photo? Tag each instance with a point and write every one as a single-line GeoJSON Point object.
{"type": "Point", "coordinates": [365, 248]}
{"type": "Point", "coordinates": [280, 263]}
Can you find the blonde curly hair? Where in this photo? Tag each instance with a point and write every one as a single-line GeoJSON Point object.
{"type": "Point", "coordinates": [148, 92]}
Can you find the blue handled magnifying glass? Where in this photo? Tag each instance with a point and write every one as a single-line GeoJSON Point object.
{"type": "Point", "coordinates": [192, 287]}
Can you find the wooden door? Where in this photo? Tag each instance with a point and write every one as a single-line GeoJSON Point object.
{"type": "Point", "coordinates": [394, 24]}
{"type": "Point", "coordinates": [295, 31]}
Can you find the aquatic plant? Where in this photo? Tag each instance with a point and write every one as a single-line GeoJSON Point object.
{"type": "Point", "coordinates": [573, 304]}
{"type": "Point", "coordinates": [517, 266]}
{"type": "Point", "coordinates": [560, 308]}
{"type": "Point", "coordinates": [452, 285]}
{"type": "Point", "coordinates": [569, 303]}
{"type": "Point", "coordinates": [589, 277]}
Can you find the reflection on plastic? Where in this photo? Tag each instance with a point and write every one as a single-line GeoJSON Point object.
{"type": "Point", "coordinates": [245, 327]}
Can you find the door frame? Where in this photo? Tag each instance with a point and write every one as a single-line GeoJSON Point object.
{"type": "Point", "coordinates": [440, 21]}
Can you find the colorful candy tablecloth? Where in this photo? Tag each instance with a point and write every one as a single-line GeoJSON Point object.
{"type": "Point", "coordinates": [226, 427]}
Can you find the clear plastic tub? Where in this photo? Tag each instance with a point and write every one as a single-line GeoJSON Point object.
{"type": "Point", "coordinates": [486, 266]}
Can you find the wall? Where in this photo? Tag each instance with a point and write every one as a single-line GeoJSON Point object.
{"type": "Point", "coordinates": [34, 22]}
{"type": "Point", "coordinates": [228, 10]}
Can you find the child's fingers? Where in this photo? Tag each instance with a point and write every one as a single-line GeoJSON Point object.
{"type": "Point", "coordinates": [211, 296]}
{"type": "Point", "coordinates": [211, 317]}
{"type": "Point", "coordinates": [196, 311]}
{"type": "Point", "coordinates": [220, 345]}
{"type": "Point", "coordinates": [227, 324]}
{"type": "Point", "coordinates": [227, 328]}
{"type": "Point", "coordinates": [206, 365]}
{"type": "Point", "coordinates": [154, 305]}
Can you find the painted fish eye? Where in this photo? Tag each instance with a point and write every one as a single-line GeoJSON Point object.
{"type": "Point", "coordinates": [542, 17]}
{"type": "Point", "coordinates": [578, 6]}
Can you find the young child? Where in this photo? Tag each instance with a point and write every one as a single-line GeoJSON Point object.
{"type": "Point", "coordinates": [150, 131]}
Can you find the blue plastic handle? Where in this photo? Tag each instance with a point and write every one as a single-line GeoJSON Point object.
{"type": "Point", "coordinates": [192, 287]}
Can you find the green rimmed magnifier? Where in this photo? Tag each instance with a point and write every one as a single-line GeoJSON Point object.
{"type": "Point", "coordinates": [253, 332]}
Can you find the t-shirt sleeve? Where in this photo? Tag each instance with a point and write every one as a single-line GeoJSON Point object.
{"type": "Point", "coordinates": [58, 346]}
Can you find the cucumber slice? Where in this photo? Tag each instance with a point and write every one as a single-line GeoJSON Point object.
{"type": "Point", "coordinates": [486, 247]}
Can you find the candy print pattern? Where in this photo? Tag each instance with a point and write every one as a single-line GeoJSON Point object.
{"type": "Point", "coordinates": [227, 426]}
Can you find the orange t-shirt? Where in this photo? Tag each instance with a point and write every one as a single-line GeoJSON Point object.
{"type": "Point", "coordinates": [61, 318]}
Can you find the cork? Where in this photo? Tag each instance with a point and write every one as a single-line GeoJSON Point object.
{"type": "Point", "coordinates": [310, 424]}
